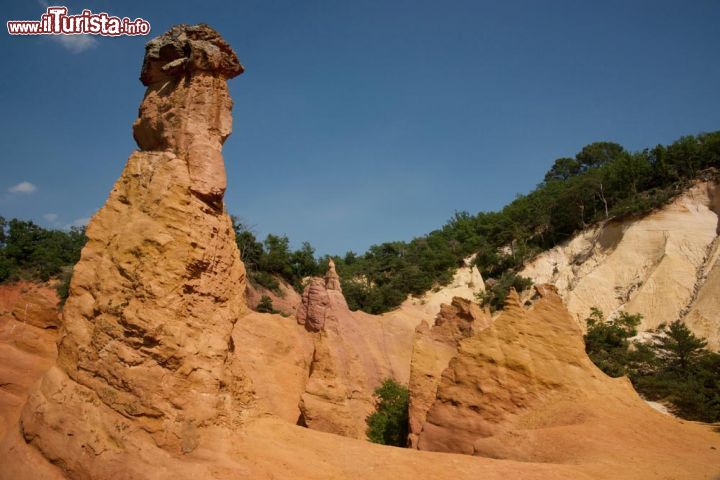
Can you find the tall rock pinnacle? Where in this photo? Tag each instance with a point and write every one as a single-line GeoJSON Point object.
{"type": "Point", "coordinates": [187, 106]}
{"type": "Point", "coordinates": [145, 347]}
{"type": "Point", "coordinates": [332, 279]}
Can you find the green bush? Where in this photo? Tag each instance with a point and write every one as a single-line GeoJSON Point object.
{"type": "Point", "coordinates": [265, 305]}
{"type": "Point", "coordinates": [496, 293]}
{"type": "Point", "coordinates": [674, 367]}
{"type": "Point", "coordinates": [389, 424]}
{"type": "Point", "coordinates": [63, 286]}
{"type": "Point", "coordinates": [607, 341]}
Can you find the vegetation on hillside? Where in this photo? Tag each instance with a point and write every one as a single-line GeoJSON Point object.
{"type": "Point", "coordinates": [601, 182]}
{"type": "Point", "coordinates": [30, 252]}
{"type": "Point", "coordinates": [265, 305]}
{"type": "Point", "coordinates": [388, 425]}
{"type": "Point", "coordinates": [674, 367]}
{"type": "Point", "coordinates": [272, 258]}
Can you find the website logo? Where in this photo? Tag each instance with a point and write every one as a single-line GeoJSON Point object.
{"type": "Point", "coordinates": [56, 21]}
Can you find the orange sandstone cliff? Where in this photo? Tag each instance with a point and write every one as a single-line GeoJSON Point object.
{"type": "Point", "coordinates": [163, 373]}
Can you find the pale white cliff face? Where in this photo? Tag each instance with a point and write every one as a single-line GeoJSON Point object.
{"type": "Point", "coordinates": [663, 266]}
{"type": "Point", "coordinates": [466, 283]}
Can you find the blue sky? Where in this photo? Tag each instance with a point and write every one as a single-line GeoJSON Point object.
{"type": "Point", "coordinates": [366, 121]}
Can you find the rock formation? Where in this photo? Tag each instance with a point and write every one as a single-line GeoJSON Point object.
{"type": "Point", "coordinates": [322, 300]}
{"type": "Point", "coordinates": [187, 107]}
{"type": "Point", "coordinates": [28, 332]}
{"type": "Point", "coordinates": [353, 353]}
{"type": "Point", "coordinates": [432, 350]}
{"type": "Point", "coordinates": [524, 389]}
{"type": "Point", "coordinates": [655, 265]}
{"type": "Point", "coordinates": [30, 303]}
{"type": "Point", "coordinates": [146, 334]}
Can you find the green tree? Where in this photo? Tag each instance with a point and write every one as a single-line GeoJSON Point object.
{"type": "Point", "coordinates": [679, 347]}
{"type": "Point", "coordinates": [388, 425]}
{"type": "Point", "coordinates": [562, 169]}
{"type": "Point", "coordinates": [251, 251]}
{"type": "Point", "coordinates": [607, 341]}
{"type": "Point", "coordinates": [598, 154]}
{"type": "Point", "coordinates": [304, 263]}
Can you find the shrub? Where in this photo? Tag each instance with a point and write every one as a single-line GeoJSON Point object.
{"type": "Point", "coordinates": [265, 280]}
{"type": "Point", "coordinates": [674, 367]}
{"type": "Point", "coordinates": [63, 287]}
{"type": "Point", "coordinates": [607, 341]}
{"type": "Point", "coordinates": [496, 293]}
{"type": "Point", "coordinates": [389, 424]}
{"type": "Point", "coordinates": [265, 305]}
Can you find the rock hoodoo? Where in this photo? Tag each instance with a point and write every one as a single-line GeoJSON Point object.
{"type": "Point", "coordinates": [322, 299]}
{"type": "Point", "coordinates": [145, 345]}
{"type": "Point", "coordinates": [332, 279]}
{"type": "Point", "coordinates": [186, 109]}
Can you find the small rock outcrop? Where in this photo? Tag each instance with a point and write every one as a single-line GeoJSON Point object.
{"type": "Point", "coordinates": [322, 299]}
{"type": "Point", "coordinates": [332, 279]}
{"type": "Point", "coordinates": [144, 350]}
{"type": "Point", "coordinates": [352, 354]}
{"type": "Point", "coordinates": [433, 347]}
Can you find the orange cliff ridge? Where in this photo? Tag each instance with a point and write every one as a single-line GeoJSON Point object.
{"type": "Point", "coordinates": [162, 372]}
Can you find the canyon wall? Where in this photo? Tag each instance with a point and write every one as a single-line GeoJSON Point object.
{"type": "Point", "coordinates": [663, 265]}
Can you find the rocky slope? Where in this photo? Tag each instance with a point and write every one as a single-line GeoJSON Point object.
{"type": "Point", "coordinates": [28, 332]}
{"type": "Point", "coordinates": [285, 301]}
{"type": "Point", "coordinates": [433, 347]}
{"type": "Point", "coordinates": [663, 265]}
{"type": "Point", "coordinates": [524, 389]}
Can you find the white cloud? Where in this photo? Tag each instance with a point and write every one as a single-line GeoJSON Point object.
{"type": "Point", "coordinates": [75, 43]}
{"type": "Point", "coordinates": [50, 217]}
{"type": "Point", "coordinates": [22, 187]}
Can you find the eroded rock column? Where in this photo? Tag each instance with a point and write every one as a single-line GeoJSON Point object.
{"type": "Point", "coordinates": [145, 348]}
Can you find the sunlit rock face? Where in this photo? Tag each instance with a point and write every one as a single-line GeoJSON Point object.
{"type": "Point", "coordinates": [187, 106]}
{"type": "Point", "coordinates": [145, 346]}
{"type": "Point", "coordinates": [663, 265]}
